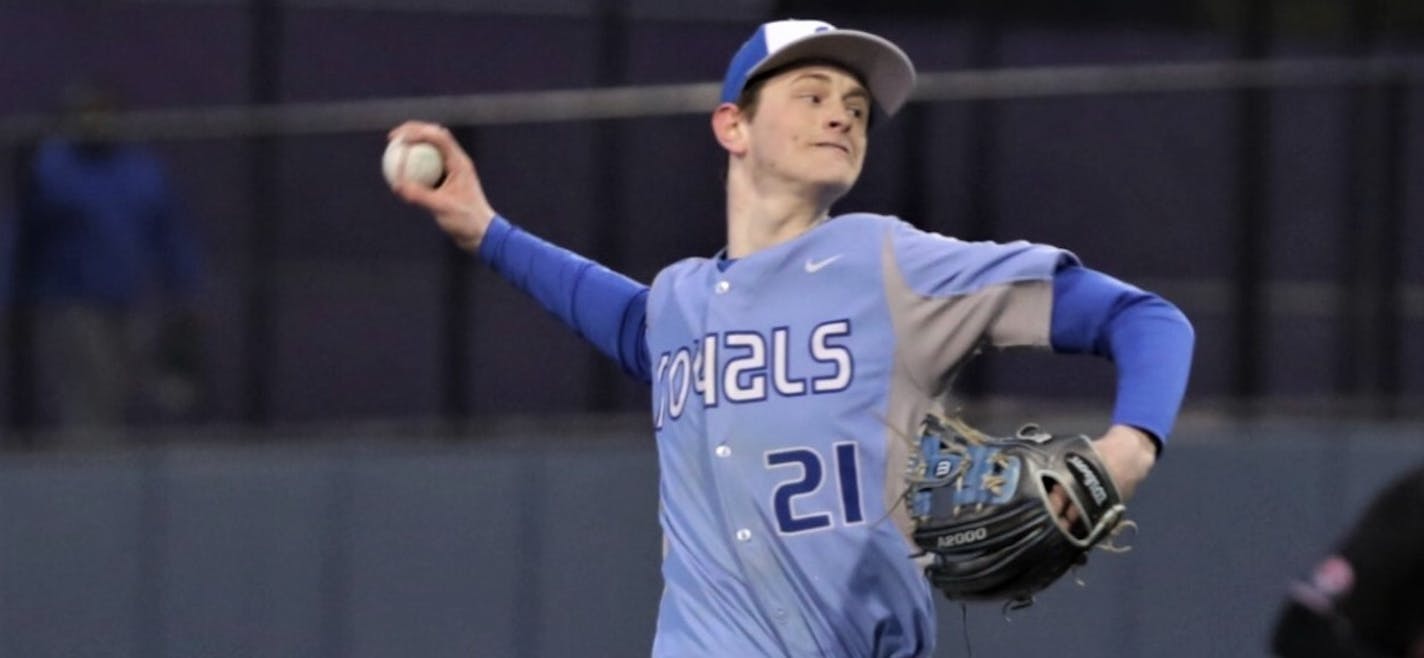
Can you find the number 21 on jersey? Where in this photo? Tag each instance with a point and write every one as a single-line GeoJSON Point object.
{"type": "Point", "coordinates": [844, 463]}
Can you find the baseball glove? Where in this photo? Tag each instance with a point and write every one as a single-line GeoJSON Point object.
{"type": "Point", "coordinates": [982, 511]}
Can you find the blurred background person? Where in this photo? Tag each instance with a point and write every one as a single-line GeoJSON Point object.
{"type": "Point", "coordinates": [103, 280]}
{"type": "Point", "coordinates": [1363, 600]}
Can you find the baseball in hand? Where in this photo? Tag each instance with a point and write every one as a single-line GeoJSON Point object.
{"type": "Point", "coordinates": [413, 161]}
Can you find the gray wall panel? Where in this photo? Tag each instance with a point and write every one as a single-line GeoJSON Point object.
{"type": "Point", "coordinates": [432, 541]}
{"type": "Point", "coordinates": [544, 542]}
{"type": "Point", "coordinates": [243, 554]}
{"type": "Point", "coordinates": [71, 557]}
{"type": "Point", "coordinates": [598, 575]}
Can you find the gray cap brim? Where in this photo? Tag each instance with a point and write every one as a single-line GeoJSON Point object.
{"type": "Point", "coordinates": [887, 71]}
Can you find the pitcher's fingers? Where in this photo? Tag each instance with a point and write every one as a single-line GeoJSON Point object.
{"type": "Point", "coordinates": [410, 126]}
{"type": "Point", "coordinates": [1063, 509]}
{"type": "Point", "coordinates": [412, 192]}
{"type": "Point", "coordinates": [438, 136]}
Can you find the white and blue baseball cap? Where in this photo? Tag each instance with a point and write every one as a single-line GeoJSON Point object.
{"type": "Point", "coordinates": [886, 70]}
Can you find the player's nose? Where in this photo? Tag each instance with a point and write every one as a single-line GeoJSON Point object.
{"type": "Point", "coordinates": [839, 118]}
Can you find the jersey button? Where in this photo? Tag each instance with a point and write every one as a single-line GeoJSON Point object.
{"type": "Point", "coordinates": [723, 450]}
{"type": "Point", "coordinates": [723, 286]}
{"type": "Point", "coordinates": [744, 535]}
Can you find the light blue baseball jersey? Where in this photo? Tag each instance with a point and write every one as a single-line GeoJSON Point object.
{"type": "Point", "coordinates": [780, 460]}
{"type": "Point", "coordinates": [784, 386]}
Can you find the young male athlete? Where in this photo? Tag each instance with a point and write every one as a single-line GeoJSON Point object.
{"type": "Point", "coordinates": [789, 370]}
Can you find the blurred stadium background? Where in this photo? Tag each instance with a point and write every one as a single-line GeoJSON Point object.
{"type": "Point", "coordinates": [400, 456]}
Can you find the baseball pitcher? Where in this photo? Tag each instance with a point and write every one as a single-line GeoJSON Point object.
{"type": "Point", "coordinates": [813, 495]}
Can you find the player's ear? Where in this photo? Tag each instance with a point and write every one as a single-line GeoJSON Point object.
{"type": "Point", "coordinates": [730, 128]}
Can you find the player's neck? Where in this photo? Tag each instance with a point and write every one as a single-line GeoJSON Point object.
{"type": "Point", "coordinates": [758, 219]}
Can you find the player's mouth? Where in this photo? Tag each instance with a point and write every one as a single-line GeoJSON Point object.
{"type": "Point", "coordinates": [843, 148]}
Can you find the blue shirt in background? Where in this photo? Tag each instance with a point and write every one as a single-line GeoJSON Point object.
{"type": "Point", "coordinates": [96, 225]}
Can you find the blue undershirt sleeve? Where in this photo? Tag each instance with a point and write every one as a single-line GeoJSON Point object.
{"type": "Point", "coordinates": [1147, 338]}
{"type": "Point", "coordinates": [603, 307]}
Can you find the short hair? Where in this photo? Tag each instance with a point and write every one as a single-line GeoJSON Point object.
{"type": "Point", "coordinates": [750, 97]}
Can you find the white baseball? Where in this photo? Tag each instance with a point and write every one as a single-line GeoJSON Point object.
{"type": "Point", "coordinates": [414, 161]}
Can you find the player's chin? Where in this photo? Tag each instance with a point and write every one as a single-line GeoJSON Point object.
{"type": "Point", "coordinates": [843, 173]}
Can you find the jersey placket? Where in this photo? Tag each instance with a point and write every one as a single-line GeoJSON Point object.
{"type": "Point", "coordinates": [736, 464]}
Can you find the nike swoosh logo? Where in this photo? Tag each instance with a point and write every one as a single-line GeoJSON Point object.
{"type": "Point", "coordinates": [814, 266]}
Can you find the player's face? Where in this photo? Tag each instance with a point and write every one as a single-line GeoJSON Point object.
{"type": "Point", "coordinates": [810, 129]}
